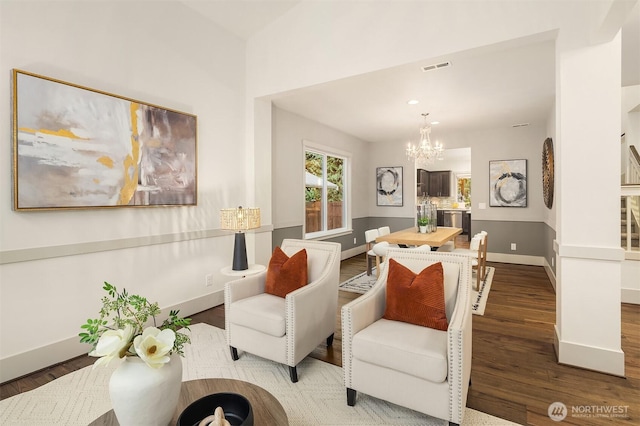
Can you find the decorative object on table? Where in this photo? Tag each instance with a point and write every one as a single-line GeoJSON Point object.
{"type": "Point", "coordinates": [216, 419]}
{"type": "Point", "coordinates": [145, 387]}
{"type": "Point", "coordinates": [508, 183]}
{"type": "Point", "coordinates": [75, 147]}
{"type": "Point", "coordinates": [423, 222]}
{"type": "Point", "coordinates": [425, 152]}
{"type": "Point", "coordinates": [235, 408]}
{"type": "Point", "coordinates": [427, 217]}
{"type": "Point", "coordinates": [389, 186]}
{"type": "Point", "coordinates": [240, 220]}
{"type": "Point", "coordinates": [547, 172]}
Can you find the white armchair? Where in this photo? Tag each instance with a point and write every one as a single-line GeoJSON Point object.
{"type": "Point", "coordinates": [285, 330]}
{"type": "Point", "coordinates": [417, 367]}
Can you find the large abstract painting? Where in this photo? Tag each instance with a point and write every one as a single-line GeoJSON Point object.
{"type": "Point", "coordinates": [508, 180]}
{"type": "Point", "coordinates": [75, 147]}
{"type": "Point", "coordinates": [389, 186]}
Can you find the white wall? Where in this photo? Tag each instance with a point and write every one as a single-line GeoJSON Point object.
{"type": "Point", "coordinates": [168, 56]}
{"type": "Point", "coordinates": [494, 144]}
{"type": "Point", "coordinates": [386, 155]}
{"type": "Point", "coordinates": [289, 131]}
{"type": "Point", "coordinates": [318, 42]}
{"type": "Point", "coordinates": [301, 50]}
{"type": "Point", "coordinates": [508, 143]}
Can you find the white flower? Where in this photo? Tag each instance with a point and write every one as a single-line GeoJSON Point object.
{"type": "Point", "coordinates": [153, 346]}
{"type": "Point", "coordinates": [111, 343]}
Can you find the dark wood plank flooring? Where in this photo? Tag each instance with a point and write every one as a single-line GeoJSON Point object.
{"type": "Point", "coordinates": [515, 374]}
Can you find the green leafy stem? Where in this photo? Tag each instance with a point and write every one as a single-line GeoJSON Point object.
{"type": "Point", "coordinates": [121, 309]}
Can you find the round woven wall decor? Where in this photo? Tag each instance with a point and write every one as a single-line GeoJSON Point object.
{"type": "Point", "coordinates": [547, 172]}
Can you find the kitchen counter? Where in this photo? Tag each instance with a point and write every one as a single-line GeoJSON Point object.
{"type": "Point", "coordinates": [457, 218]}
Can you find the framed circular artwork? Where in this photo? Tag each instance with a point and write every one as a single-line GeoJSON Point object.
{"type": "Point", "coordinates": [547, 172]}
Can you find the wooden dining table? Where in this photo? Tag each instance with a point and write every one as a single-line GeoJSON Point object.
{"type": "Point", "coordinates": [411, 237]}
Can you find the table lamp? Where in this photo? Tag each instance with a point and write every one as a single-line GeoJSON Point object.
{"type": "Point", "coordinates": [240, 220]}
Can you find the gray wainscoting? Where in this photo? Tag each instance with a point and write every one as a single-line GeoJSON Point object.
{"type": "Point", "coordinates": [530, 237]}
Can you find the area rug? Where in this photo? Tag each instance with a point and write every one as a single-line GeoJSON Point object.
{"type": "Point", "coordinates": [319, 397]}
{"type": "Point", "coordinates": [362, 283]}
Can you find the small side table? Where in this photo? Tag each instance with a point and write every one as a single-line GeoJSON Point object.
{"type": "Point", "coordinates": [252, 270]}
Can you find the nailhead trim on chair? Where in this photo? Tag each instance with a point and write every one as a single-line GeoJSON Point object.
{"type": "Point", "coordinates": [454, 340]}
{"type": "Point", "coordinates": [288, 301]}
{"type": "Point", "coordinates": [347, 330]}
{"type": "Point", "coordinates": [227, 303]}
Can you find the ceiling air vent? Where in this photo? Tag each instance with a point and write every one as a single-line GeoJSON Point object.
{"type": "Point", "coordinates": [520, 125]}
{"type": "Point", "coordinates": [436, 66]}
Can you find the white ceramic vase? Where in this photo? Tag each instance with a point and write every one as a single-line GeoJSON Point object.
{"type": "Point", "coordinates": [141, 395]}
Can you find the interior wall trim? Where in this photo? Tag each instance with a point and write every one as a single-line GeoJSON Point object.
{"type": "Point", "coordinates": [614, 254]}
{"type": "Point", "coordinates": [604, 360]}
{"type": "Point", "coordinates": [75, 249]}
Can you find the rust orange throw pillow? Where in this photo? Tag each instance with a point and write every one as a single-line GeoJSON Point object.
{"type": "Point", "coordinates": [286, 274]}
{"type": "Point", "coordinates": [416, 299]}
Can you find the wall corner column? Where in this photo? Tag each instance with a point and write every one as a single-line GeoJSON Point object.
{"type": "Point", "coordinates": [589, 255]}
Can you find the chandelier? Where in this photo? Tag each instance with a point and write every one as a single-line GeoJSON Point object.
{"type": "Point", "coordinates": [425, 152]}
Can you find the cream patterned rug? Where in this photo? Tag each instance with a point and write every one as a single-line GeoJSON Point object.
{"type": "Point", "coordinates": [361, 283]}
{"type": "Point", "coordinates": [319, 397]}
{"type": "Point", "coordinates": [479, 298]}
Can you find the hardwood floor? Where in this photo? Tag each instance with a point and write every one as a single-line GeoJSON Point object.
{"type": "Point", "coordinates": [514, 375]}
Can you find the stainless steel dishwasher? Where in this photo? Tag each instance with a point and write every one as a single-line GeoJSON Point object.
{"type": "Point", "coordinates": [453, 218]}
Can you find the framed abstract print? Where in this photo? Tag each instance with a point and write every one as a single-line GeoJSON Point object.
{"type": "Point", "coordinates": [508, 183]}
{"type": "Point", "coordinates": [75, 147]}
{"type": "Point", "coordinates": [389, 186]}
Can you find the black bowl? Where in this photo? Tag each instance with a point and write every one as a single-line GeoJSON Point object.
{"type": "Point", "coordinates": [237, 410]}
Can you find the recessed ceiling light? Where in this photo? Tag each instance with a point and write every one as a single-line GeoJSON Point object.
{"type": "Point", "coordinates": [413, 102]}
{"type": "Point", "coordinates": [435, 122]}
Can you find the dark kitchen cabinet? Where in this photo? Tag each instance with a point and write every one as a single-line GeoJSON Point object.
{"type": "Point", "coordinates": [422, 177]}
{"type": "Point", "coordinates": [440, 184]}
{"type": "Point", "coordinates": [440, 218]}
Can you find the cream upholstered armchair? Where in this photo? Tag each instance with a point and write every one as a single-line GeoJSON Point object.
{"type": "Point", "coordinates": [285, 330]}
{"type": "Point", "coordinates": [417, 367]}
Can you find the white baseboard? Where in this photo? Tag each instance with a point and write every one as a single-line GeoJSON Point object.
{"type": "Point", "coordinates": [630, 295]}
{"type": "Point", "coordinates": [28, 362]}
{"type": "Point", "coordinates": [519, 259]}
{"type": "Point", "coordinates": [352, 252]}
{"type": "Point", "coordinates": [550, 274]}
{"type": "Point", "coordinates": [604, 360]}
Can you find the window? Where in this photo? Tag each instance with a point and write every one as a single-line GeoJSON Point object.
{"type": "Point", "coordinates": [325, 196]}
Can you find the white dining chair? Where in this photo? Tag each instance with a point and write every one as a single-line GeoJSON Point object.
{"type": "Point", "coordinates": [370, 240]}
{"type": "Point", "coordinates": [478, 252]}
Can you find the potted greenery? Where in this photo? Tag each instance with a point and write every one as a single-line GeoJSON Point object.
{"type": "Point", "coordinates": [423, 222]}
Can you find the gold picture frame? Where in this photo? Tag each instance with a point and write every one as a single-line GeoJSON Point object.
{"type": "Point", "coordinates": [77, 148]}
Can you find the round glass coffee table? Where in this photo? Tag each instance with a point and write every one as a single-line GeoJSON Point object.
{"type": "Point", "coordinates": [266, 408]}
